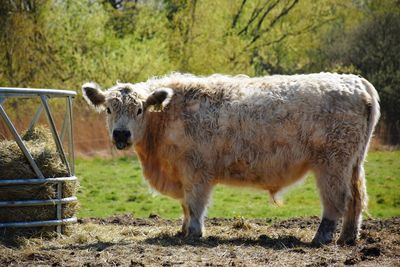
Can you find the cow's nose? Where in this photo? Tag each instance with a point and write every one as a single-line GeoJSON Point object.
{"type": "Point", "coordinates": [121, 135]}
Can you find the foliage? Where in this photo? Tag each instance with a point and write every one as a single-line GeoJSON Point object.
{"type": "Point", "coordinates": [26, 57]}
{"type": "Point", "coordinates": [67, 42]}
{"type": "Point", "coordinates": [61, 44]}
{"type": "Point", "coordinates": [116, 186]}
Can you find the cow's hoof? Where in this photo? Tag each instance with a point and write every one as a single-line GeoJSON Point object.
{"type": "Point", "coordinates": [349, 241]}
{"type": "Point", "coordinates": [194, 233]}
{"type": "Point", "coordinates": [181, 234]}
{"type": "Point", "coordinates": [321, 239]}
{"type": "Point", "coordinates": [325, 232]}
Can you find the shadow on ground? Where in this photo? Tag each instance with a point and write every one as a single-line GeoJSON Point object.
{"type": "Point", "coordinates": [282, 242]}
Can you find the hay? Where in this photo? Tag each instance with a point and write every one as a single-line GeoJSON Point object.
{"type": "Point", "coordinates": [14, 165]}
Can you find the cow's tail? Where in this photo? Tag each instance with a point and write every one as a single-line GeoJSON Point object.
{"type": "Point", "coordinates": [373, 114]}
{"type": "Point", "coordinates": [373, 109]}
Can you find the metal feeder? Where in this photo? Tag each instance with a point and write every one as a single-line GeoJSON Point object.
{"type": "Point", "coordinates": [68, 160]}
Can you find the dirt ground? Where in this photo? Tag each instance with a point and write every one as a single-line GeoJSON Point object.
{"type": "Point", "coordinates": [126, 241]}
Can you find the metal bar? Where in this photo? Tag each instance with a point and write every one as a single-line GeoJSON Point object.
{"type": "Point", "coordinates": [59, 205]}
{"type": "Point", "coordinates": [54, 132]}
{"type": "Point", "coordinates": [20, 142]}
{"type": "Point", "coordinates": [36, 181]}
{"type": "Point", "coordinates": [29, 92]}
{"type": "Point", "coordinates": [65, 122]}
{"type": "Point", "coordinates": [71, 136]}
{"type": "Point", "coordinates": [44, 202]}
{"type": "Point", "coordinates": [39, 223]}
{"type": "Point", "coordinates": [2, 99]}
{"type": "Point", "coordinates": [36, 117]}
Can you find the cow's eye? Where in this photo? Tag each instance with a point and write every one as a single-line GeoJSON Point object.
{"type": "Point", "coordinates": [139, 111]}
{"type": "Point", "coordinates": [108, 110]}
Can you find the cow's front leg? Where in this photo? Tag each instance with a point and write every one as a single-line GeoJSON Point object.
{"type": "Point", "coordinates": [185, 223]}
{"type": "Point", "coordinates": [196, 200]}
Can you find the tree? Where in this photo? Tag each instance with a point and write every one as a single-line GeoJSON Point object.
{"type": "Point", "coordinates": [274, 32]}
{"type": "Point", "coordinates": [25, 51]}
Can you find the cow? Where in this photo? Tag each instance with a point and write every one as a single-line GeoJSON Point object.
{"type": "Point", "coordinates": [191, 133]}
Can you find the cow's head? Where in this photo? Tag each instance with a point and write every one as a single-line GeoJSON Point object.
{"type": "Point", "coordinates": [126, 106]}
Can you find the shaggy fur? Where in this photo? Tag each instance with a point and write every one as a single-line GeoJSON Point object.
{"type": "Point", "coordinates": [265, 132]}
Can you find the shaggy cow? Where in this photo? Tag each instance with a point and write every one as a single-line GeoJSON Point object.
{"type": "Point", "coordinates": [191, 133]}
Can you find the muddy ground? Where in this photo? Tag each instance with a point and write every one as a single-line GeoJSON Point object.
{"type": "Point", "coordinates": [126, 241]}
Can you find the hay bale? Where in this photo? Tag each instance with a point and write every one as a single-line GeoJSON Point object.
{"type": "Point", "coordinates": [14, 165]}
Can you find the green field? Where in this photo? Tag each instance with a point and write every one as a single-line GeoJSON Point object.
{"type": "Point", "coordinates": [116, 186]}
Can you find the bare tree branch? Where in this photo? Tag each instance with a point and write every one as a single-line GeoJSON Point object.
{"type": "Point", "coordinates": [253, 17]}
{"type": "Point", "coordinates": [258, 33]}
{"type": "Point", "coordinates": [238, 14]}
{"type": "Point", "coordinates": [261, 20]}
{"type": "Point", "coordinates": [305, 29]}
{"type": "Point", "coordinates": [283, 13]}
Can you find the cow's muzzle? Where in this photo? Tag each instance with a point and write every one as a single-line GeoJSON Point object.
{"type": "Point", "coordinates": [121, 138]}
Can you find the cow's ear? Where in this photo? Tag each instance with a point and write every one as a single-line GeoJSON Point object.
{"type": "Point", "coordinates": [93, 95]}
{"type": "Point", "coordinates": [159, 99]}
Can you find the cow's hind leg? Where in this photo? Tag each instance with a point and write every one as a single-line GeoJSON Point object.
{"type": "Point", "coordinates": [352, 217]}
{"type": "Point", "coordinates": [196, 199]}
{"type": "Point", "coordinates": [334, 193]}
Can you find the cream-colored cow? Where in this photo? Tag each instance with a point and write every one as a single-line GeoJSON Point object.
{"type": "Point", "coordinates": [191, 133]}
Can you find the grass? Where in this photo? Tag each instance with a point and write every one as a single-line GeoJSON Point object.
{"type": "Point", "coordinates": [116, 186]}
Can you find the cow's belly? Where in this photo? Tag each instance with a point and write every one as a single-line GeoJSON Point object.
{"type": "Point", "coordinates": [269, 178]}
